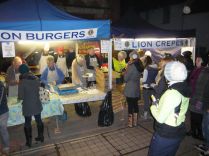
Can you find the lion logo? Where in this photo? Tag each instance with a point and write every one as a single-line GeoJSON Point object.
{"type": "Point", "coordinates": [127, 44]}
{"type": "Point", "coordinates": [90, 32]}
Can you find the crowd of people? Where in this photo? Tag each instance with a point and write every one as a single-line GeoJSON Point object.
{"type": "Point", "coordinates": [170, 88]}
{"type": "Point", "coordinates": [173, 91]}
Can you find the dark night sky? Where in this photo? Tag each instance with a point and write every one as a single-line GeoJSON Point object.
{"type": "Point", "coordinates": [144, 5]}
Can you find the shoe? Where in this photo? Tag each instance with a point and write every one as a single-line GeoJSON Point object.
{"type": "Point", "coordinates": [5, 151]}
{"type": "Point", "coordinates": [135, 117]}
{"type": "Point", "coordinates": [40, 136]}
{"type": "Point", "coordinates": [130, 120]}
{"type": "Point", "coordinates": [201, 148]}
{"type": "Point", "coordinates": [144, 116]}
{"type": "Point", "coordinates": [206, 153]}
{"type": "Point", "coordinates": [28, 136]}
{"type": "Point", "coordinates": [189, 133]}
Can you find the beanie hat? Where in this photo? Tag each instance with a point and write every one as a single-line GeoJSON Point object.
{"type": "Point", "coordinates": [134, 55]}
{"type": "Point", "coordinates": [148, 53]}
{"type": "Point", "coordinates": [175, 71]}
{"type": "Point", "coordinates": [23, 69]}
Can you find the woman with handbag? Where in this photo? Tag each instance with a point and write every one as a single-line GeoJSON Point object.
{"type": "Point", "coordinates": [28, 91]}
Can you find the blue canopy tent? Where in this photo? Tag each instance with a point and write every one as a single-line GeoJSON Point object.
{"type": "Point", "coordinates": [40, 15]}
{"type": "Point", "coordinates": [38, 20]}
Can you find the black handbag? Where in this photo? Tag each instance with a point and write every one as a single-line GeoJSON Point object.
{"type": "Point", "coordinates": [83, 109]}
{"type": "Point", "coordinates": [106, 114]}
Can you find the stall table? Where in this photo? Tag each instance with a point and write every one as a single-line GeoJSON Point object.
{"type": "Point", "coordinates": [55, 106]}
{"type": "Point", "coordinates": [52, 108]}
{"type": "Point", "coordinates": [87, 95]}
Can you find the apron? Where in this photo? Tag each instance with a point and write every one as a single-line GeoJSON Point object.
{"type": "Point", "coordinates": [52, 76]}
{"type": "Point", "coordinates": [42, 63]}
{"type": "Point", "coordinates": [80, 72]}
{"type": "Point", "coordinates": [13, 90]}
{"type": "Point", "coordinates": [94, 63]}
{"type": "Point", "coordinates": [61, 64]}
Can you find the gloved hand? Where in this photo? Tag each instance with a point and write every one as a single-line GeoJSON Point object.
{"type": "Point", "coordinates": [152, 85]}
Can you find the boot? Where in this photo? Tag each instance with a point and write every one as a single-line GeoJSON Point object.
{"type": "Point", "coordinates": [135, 117]}
{"type": "Point", "coordinates": [130, 120]}
{"type": "Point", "coordinates": [40, 136]}
{"type": "Point", "coordinates": [28, 136]}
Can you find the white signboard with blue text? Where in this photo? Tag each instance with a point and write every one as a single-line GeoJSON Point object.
{"type": "Point", "coordinates": [129, 44]}
{"type": "Point", "coordinates": [8, 49]}
{"type": "Point", "coordinates": [9, 35]}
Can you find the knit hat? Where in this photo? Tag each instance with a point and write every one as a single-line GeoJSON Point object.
{"type": "Point", "coordinates": [23, 69]}
{"type": "Point", "coordinates": [175, 71]}
{"type": "Point", "coordinates": [134, 55]}
{"type": "Point", "coordinates": [148, 53]}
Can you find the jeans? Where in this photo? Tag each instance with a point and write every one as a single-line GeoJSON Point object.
{"type": "Point", "coordinates": [205, 128]}
{"type": "Point", "coordinates": [37, 119]}
{"type": "Point", "coordinates": [147, 98]}
{"type": "Point", "coordinates": [3, 129]}
{"type": "Point", "coordinates": [132, 105]}
{"type": "Point", "coordinates": [161, 146]}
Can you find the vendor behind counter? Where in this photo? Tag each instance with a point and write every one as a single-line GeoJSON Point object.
{"type": "Point", "coordinates": [119, 66]}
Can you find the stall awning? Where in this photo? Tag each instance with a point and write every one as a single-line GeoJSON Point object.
{"type": "Point", "coordinates": [40, 15]}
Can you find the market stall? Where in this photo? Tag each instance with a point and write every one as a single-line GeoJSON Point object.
{"type": "Point", "coordinates": [129, 34]}
{"type": "Point", "coordinates": [39, 22]}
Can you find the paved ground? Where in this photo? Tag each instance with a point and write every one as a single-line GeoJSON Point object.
{"type": "Point", "coordinates": [82, 137]}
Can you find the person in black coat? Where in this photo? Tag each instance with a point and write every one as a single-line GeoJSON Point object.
{"type": "Point", "coordinates": [4, 115]}
{"type": "Point", "coordinates": [92, 62]}
{"type": "Point", "coordinates": [28, 91]}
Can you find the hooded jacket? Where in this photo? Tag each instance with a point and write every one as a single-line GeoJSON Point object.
{"type": "Point", "coordinates": [170, 112]}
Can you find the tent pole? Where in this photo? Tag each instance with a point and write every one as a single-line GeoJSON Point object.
{"type": "Point", "coordinates": [110, 67]}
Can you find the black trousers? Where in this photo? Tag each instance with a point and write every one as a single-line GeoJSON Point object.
{"type": "Point", "coordinates": [37, 119]}
{"type": "Point", "coordinates": [132, 105]}
{"type": "Point", "coordinates": [196, 123]}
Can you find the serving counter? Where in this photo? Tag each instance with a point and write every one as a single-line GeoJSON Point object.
{"type": "Point", "coordinates": [53, 107]}
{"type": "Point", "coordinates": [87, 95]}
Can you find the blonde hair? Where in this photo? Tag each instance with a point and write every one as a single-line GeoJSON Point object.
{"type": "Point", "coordinates": [80, 59]}
{"type": "Point", "coordinates": [50, 59]}
{"type": "Point", "coordinates": [123, 53]}
{"type": "Point", "coordinates": [17, 59]}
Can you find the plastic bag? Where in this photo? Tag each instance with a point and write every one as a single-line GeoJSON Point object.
{"type": "Point", "coordinates": [106, 115]}
{"type": "Point", "coordinates": [83, 109]}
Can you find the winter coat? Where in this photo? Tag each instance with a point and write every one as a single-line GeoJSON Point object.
{"type": "Point", "coordinates": [3, 99]}
{"type": "Point", "coordinates": [132, 79]}
{"type": "Point", "coordinates": [28, 91]}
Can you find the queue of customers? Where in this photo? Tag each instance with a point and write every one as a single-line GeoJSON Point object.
{"type": "Point", "coordinates": [176, 85]}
